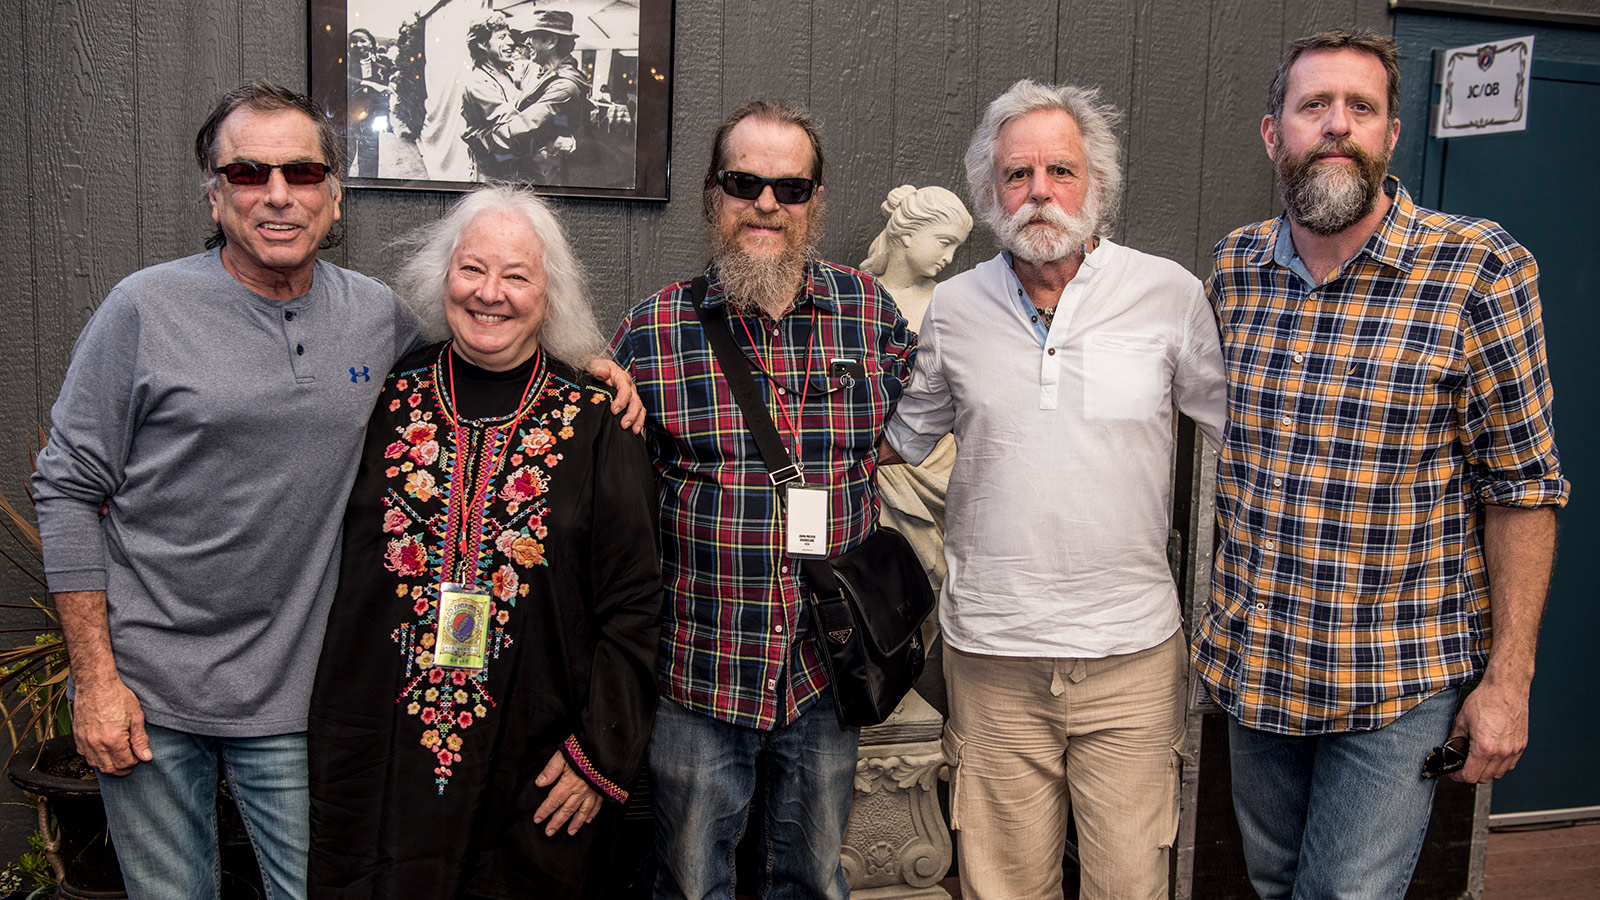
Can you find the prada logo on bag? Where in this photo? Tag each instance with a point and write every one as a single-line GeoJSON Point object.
{"type": "Point", "coordinates": [842, 635]}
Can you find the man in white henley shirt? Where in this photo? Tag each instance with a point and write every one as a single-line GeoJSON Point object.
{"type": "Point", "coordinates": [1057, 365]}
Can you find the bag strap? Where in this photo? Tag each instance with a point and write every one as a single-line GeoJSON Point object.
{"type": "Point", "coordinates": [736, 369]}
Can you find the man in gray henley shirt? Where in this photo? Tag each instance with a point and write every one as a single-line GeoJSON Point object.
{"type": "Point", "coordinates": [214, 408]}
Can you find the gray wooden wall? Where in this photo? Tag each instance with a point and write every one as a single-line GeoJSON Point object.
{"type": "Point", "coordinates": [102, 99]}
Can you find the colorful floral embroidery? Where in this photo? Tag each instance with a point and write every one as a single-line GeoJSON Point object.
{"type": "Point", "coordinates": [580, 761]}
{"type": "Point", "coordinates": [425, 502]}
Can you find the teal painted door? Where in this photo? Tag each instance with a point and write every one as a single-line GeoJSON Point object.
{"type": "Point", "coordinates": [1541, 184]}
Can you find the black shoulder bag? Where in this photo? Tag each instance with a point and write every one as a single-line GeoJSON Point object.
{"type": "Point", "coordinates": [868, 603]}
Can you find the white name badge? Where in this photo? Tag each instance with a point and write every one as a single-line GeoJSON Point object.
{"type": "Point", "coordinates": [807, 524]}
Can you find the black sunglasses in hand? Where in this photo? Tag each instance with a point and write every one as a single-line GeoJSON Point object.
{"type": "Point", "coordinates": [1446, 758]}
{"type": "Point", "coordinates": [746, 186]}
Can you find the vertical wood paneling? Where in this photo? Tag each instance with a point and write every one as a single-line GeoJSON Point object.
{"type": "Point", "coordinates": [1374, 14]}
{"type": "Point", "coordinates": [766, 51]}
{"type": "Point", "coordinates": [185, 57]}
{"type": "Point", "coordinates": [1095, 48]}
{"type": "Point", "coordinates": [1016, 39]}
{"type": "Point", "coordinates": [669, 241]}
{"type": "Point", "coordinates": [21, 406]}
{"type": "Point", "coordinates": [853, 75]}
{"type": "Point", "coordinates": [1166, 133]}
{"type": "Point", "coordinates": [81, 112]}
{"type": "Point", "coordinates": [1236, 180]}
{"type": "Point", "coordinates": [376, 220]}
{"type": "Point", "coordinates": [272, 42]}
{"type": "Point", "coordinates": [935, 103]}
{"type": "Point", "coordinates": [1311, 16]}
{"type": "Point", "coordinates": [601, 236]}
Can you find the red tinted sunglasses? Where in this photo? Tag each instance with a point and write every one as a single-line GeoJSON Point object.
{"type": "Point", "coordinates": [252, 174]}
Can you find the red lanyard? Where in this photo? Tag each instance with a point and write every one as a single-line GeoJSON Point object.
{"type": "Point", "coordinates": [783, 408]}
{"type": "Point", "coordinates": [476, 496]}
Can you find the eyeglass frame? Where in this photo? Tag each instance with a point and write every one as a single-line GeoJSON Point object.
{"type": "Point", "coordinates": [281, 167]}
{"type": "Point", "coordinates": [811, 184]}
{"type": "Point", "coordinates": [1446, 758]}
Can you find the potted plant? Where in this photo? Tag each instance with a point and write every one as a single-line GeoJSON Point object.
{"type": "Point", "coordinates": [74, 841]}
{"type": "Point", "coordinates": [43, 760]}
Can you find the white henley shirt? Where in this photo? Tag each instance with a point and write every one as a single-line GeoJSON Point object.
{"type": "Point", "coordinates": [1059, 502]}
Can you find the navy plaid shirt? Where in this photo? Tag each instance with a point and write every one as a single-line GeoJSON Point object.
{"type": "Point", "coordinates": [1370, 419]}
{"type": "Point", "coordinates": [735, 641]}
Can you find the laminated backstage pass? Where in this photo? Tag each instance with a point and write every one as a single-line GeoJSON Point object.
{"type": "Point", "coordinates": [463, 627]}
{"type": "Point", "coordinates": [807, 523]}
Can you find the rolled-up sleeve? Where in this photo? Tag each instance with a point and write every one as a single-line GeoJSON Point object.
{"type": "Point", "coordinates": [1508, 425]}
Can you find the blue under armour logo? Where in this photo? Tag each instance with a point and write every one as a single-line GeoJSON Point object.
{"type": "Point", "coordinates": [359, 376]}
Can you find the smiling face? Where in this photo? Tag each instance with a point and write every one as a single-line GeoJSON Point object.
{"type": "Point", "coordinates": [502, 47]}
{"type": "Point", "coordinates": [274, 229]}
{"type": "Point", "coordinates": [495, 291]}
{"type": "Point", "coordinates": [763, 227]}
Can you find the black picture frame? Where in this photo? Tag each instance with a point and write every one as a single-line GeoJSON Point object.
{"type": "Point", "coordinates": [414, 138]}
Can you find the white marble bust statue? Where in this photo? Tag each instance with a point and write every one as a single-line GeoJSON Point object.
{"type": "Point", "coordinates": [925, 227]}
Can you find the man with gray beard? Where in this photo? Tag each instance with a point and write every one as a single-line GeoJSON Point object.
{"type": "Point", "coordinates": [742, 679]}
{"type": "Point", "coordinates": [1057, 365]}
{"type": "Point", "coordinates": [1386, 494]}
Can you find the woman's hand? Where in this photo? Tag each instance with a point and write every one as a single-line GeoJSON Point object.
{"type": "Point", "coordinates": [572, 801]}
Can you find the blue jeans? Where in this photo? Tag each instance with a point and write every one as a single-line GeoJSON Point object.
{"type": "Point", "coordinates": [703, 776]}
{"type": "Point", "coordinates": [1337, 815]}
{"type": "Point", "coordinates": [164, 822]}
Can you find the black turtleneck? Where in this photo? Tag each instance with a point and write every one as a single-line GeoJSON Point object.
{"type": "Point", "coordinates": [483, 394]}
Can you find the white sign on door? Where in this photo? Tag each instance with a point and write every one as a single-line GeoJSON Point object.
{"type": "Point", "coordinates": [1484, 88]}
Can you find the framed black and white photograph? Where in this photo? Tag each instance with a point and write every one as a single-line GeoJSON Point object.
{"type": "Point", "coordinates": [571, 97]}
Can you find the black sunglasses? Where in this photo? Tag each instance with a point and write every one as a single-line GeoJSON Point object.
{"type": "Point", "coordinates": [251, 174]}
{"type": "Point", "coordinates": [749, 187]}
{"type": "Point", "coordinates": [1445, 758]}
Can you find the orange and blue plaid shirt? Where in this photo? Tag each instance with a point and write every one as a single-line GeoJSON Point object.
{"type": "Point", "coordinates": [1370, 419]}
{"type": "Point", "coordinates": [736, 635]}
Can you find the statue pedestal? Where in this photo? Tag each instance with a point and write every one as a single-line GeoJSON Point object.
{"type": "Point", "coordinates": [897, 844]}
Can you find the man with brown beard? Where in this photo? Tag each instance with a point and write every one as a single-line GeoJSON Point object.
{"type": "Point", "coordinates": [743, 684]}
{"type": "Point", "coordinates": [1386, 492]}
{"type": "Point", "coordinates": [1057, 365]}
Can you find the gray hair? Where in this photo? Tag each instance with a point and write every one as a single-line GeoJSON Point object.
{"type": "Point", "coordinates": [908, 209]}
{"type": "Point", "coordinates": [1097, 121]}
{"type": "Point", "coordinates": [569, 332]}
{"type": "Point", "coordinates": [266, 96]}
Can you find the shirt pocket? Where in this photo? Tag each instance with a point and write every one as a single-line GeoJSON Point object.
{"type": "Point", "coordinates": [1381, 413]}
{"type": "Point", "coordinates": [857, 404]}
{"type": "Point", "coordinates": [1123, 376]}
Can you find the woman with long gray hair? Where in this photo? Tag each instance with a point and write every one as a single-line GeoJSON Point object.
{"type": "Point", "coordinates": [487, 687]}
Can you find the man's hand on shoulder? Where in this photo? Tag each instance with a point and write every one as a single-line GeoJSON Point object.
{"type": "Point", "coordinates": [108, 723]}
{"type": "Point", "coordinates": [627, 404]}
{"type": "Point", "coordinates": [1494, 718]}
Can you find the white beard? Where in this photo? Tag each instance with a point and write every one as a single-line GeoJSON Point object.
{"type": "Point", "coordinates": [1061, 234]}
